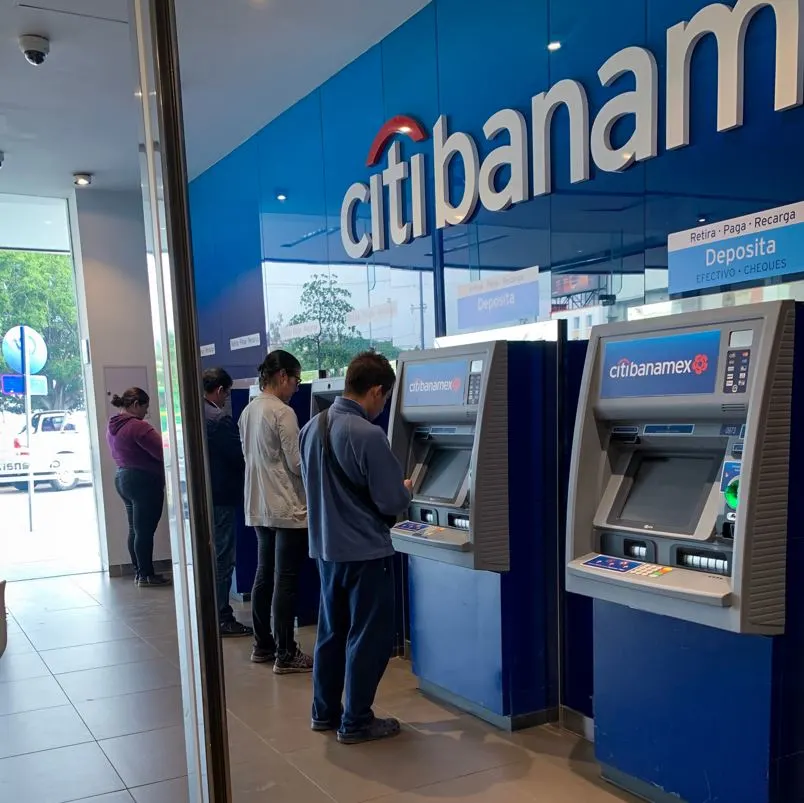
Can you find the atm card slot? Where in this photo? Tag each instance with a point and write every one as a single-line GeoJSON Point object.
{"type": "Point", "coordinates": [622, 434]}
{"type": "Point", "coordinates": [640, 550]}
{"type": "Point", "coordinates": [428, 516]}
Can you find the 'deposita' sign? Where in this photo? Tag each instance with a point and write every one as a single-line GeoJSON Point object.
{"type": "Point", "coordinates": [527, 153]}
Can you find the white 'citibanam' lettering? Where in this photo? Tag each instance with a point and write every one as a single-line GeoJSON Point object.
{"type": "Point", "coordinates": [533, 166]}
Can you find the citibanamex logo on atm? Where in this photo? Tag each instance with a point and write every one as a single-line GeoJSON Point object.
{"type": "Point", "coordinates": [435, 386]}
{"type": "Point", "coordinates": [628, 369]}
{"type": "Point", "coordinates": [674, 365]}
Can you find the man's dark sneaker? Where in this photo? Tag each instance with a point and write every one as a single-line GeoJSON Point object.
{"type": "Point", "coordinates": [153, 580]}
{"type": "Point", "coordinates": [299, 664]}
{"type": "Point", "coordinates": [378, 729]}
{"type": "Point", "coordinates": [235, 629]}
{"type": "Point", "coordinates": [262, 656]}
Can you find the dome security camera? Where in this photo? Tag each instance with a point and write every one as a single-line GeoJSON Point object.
{"type": "Point", "coordinates": [35, 49]}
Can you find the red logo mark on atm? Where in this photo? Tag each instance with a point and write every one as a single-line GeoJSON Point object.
{"type": "Point", "coordinates": [401, 124]}
{"type": "Point", "coordinates": [700, 363]}
{"type": "Point", "coordinates": [456, 384]}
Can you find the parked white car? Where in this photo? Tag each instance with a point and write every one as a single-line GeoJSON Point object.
{"type": "Point", "coordinates": [59, 453]}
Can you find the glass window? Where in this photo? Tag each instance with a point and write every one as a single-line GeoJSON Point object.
{"type": "Point", "coordinates": [327, 314]}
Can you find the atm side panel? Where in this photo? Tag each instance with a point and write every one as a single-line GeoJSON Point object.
{"type": "Point", "coordinates": [489, 487]}
{"type": "Point", "coordinates": [764, 559]}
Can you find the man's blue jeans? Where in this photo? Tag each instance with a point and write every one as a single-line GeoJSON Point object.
{"type": "Point", "coordinates": [355, 640]}
{"type": "Point", "coordinates": [226, 553]}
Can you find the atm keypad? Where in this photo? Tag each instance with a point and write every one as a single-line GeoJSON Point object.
{"type": "Point", "coordinates": [473, 392]}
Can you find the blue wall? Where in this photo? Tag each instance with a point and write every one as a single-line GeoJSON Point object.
{"type": "Point", "coordinates": [468, 59]}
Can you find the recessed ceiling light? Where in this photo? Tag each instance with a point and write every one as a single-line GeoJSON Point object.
{"type": "Point", "coordinates": [280, 196]}
{"type": "Point", "coordinates": [82, 179]}
{"type": "Point", "coordinates": [553, 46]}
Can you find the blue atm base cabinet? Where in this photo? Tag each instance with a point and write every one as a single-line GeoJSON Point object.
{"type": "Point", "coordinates": [474, 646]}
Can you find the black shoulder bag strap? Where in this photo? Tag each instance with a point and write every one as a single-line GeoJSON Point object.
{"type": "Point", "coordinates": [360, 493]}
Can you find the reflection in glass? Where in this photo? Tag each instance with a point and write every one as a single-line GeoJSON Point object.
{"type": "Point", "coordinates": [327, 314]}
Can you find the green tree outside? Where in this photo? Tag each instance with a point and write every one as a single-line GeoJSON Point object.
{"type": "Point", "coordinates": [326, 302]}
{"type": "Point", "coordinates": [37, 289]}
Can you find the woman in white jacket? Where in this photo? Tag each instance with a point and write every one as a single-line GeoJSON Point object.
{"type": "Point", "coordinates": [276, 507]}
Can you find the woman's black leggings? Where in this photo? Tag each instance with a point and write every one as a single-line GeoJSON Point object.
{"type": "Point", "coordinates": [143, 494]}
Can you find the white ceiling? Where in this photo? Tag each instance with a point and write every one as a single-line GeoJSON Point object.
{"type": "Point", "coordinates": [243, 62]}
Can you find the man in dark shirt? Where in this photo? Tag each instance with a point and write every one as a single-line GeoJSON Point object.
{"type": "Point", "coordinates": [355, 489]}
{"type": "Point", "coordinates": [227, 475]}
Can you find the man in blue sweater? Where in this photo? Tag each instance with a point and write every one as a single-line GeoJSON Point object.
{"type": "Point", "coordinates": [227, 472]}
{"type": "Point", "coordinates": [355, 490]}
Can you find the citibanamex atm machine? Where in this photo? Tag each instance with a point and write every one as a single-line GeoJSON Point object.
{"type": "Point", "coordinates": [677, 526]}
{"type": "Point", "coordinates": [474, 428]}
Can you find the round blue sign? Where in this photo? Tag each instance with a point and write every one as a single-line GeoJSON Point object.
{"type": "Point", "coordinates": [34, 346]}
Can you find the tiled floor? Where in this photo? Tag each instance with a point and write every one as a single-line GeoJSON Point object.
{"type": "Point", "coordinates": [90, 710]}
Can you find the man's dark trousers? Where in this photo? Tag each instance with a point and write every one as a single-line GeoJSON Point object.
{"type": "Point", "coordinates": [355, 640]}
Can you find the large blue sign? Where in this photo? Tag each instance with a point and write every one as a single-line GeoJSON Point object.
{"type": "Point", "coordinates": [435, 384]}
{"type": "Point", "coordinates": [14, 385]}
{"type": "Point", "coordinates": [500, 306]}
{"type": "Point", "coordinates": [750, 250]}
{"type": "Point", "coordinates": [674, 365]}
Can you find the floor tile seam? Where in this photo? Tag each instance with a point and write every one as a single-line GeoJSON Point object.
{"type": "Point", "coordinates": [22, 680]}
{"type": "Point", "coordinates": [122, 694]}
{"type": "Point", "coordinates": [177, 663]}
{"type": "Point", "coordinates": [100, 743]}
{"type": "Point", "coordinates": [68, 704]}
{"type": "Point", "coordinates": [413, 790]}
{"type": "Point", "coordinates": [101, 796]}
{"type": "Point", "coordinates": [71, 620]}
{"type": "Point", "coordinates": [106, 666]}
{"type": "Point", "coordinates": [276, 752]}
{"type": "Point", "coordinates": [139, 785]}
{"type": "Point", "coordinates": [95, 740]}
{"type": "Point", "coordinates": [35, 603]}
{"type": "Point", "coordinates": [90, 740]}
{"type": "Point", "coordinates": [85, 644]}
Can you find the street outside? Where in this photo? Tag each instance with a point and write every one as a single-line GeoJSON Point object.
{"type": "Point", "coordinates": [65, 536]}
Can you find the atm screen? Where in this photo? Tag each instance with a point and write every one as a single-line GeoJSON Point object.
{"type": "Point", "coordinates": [324, 401]}
{"type": "Point", "coordinates": [667, 492]}
{"type": "Point", "coordinates": [446, 471]}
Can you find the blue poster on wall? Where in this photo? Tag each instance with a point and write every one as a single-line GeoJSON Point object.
{"type": "Point", "coordinates": [674, 365]}
{"type": "Point", "coordinates": [749, 250]}
{"type": "Point", "coordinates": [505, 300]}
{"type": "Point", "coordinates": [435, 384]}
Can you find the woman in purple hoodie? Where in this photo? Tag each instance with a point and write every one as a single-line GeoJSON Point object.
{"type": "Point", "coordinates": [137, 449]}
